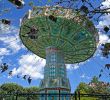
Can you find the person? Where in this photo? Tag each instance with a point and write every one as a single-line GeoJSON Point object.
{"type": "Point", "coordinates": [4, 67]}
{"type": "Point", "coordinates": [10, 73]}
{"type": "Point", "coordinates": [105, 53]}
{"type": "Point", "coordinates": [107, 46]}
{"type": "Point", "coordinates": [107, 66]}
{"type": "Point", "coordinates": [18, 3]}
{"type": "Point", "coordinates": [106, 49]}
{"type": "Point", "coordinates": [53, 18]}
{"type": "Point", "coordinates": [33, 32]}
{"type": "Point", "coordinates": [6, 21]}
{"type": "Point", "coordinates": [29, 80]}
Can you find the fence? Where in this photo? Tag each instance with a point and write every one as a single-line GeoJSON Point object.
{"type": "Point", "coordinates": [37, 96]}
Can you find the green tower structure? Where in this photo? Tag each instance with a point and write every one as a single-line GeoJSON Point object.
{"type": "Point", "coordinates": [61, 36]}
{"type": "Point", "coordinates": [55, 77]}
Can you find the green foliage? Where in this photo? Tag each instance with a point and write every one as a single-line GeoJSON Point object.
{"type": "Point", "coordinates": [94, 87]}
{"type": "Point", "coordinates": [95, 79]}
{"type": "Point", "coordinates": [31, 89]}
{"type": "Point", "coordinates": [11, 87]}
{"type": "Point", "coordinates": [84, 88]}
{"type": "Point", "coordinates": [100, 88]}
{"type": "Point", "coordinates": [89, 98]}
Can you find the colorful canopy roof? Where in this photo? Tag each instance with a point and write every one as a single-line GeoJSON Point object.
{"type": "Point", "coordinates": [63, 28]}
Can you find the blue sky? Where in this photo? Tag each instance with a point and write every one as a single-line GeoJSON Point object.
{"type": "Point", "coordinates": [22, 61]}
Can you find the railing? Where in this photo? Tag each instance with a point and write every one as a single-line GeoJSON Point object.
{"type": "Point", "coordinates": [53, 96]}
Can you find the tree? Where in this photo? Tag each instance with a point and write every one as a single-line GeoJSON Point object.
{"type": "Point", "coordinates": [84, 88]}
{"type": "Point", "coordinates": [101, 88]}
{"type": "Point", "coordinates": [94, 87]}
{"type": "Point", "coordinates": [95, 80]}
{"type": "Point", "coordinates": [11, 87]}
{"type": "Point", "coordinates": [32, 90]}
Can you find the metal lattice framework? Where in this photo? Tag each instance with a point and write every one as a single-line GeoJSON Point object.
{"type": "Point", "coordinates": [72, 33]}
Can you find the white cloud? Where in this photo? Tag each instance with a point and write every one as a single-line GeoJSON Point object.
{"type": "Point", "coordinates": [105, 21]}
{"type": "Point", "coordinates": [72, 66]}
{"type": "Point", "coordinates": [10, 39]}
{"type": "Point", "coordinates": [16, 45]}
{"type": "Point", "coordinates": [82, 76]}
{"type": "Point", "coordinates": [31, 65]}
{"type": "Point", "coordinates": [103, 38]}
{"type": "Point", "coordinates": [1, 58]}
{"type": "Point", "coordinates": [85, 76]}
{"type": "Point", "coordinates": [76, 66]}
{"type": "Point", "coordinates": [106, 4]}
{"type": "Point", "coordinates": [4, 51]}
{"type": "Point", "coordinates": [8, 29]}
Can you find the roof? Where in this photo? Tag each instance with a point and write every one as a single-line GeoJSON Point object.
{"type": "Point", "coordinates": [72, 33]}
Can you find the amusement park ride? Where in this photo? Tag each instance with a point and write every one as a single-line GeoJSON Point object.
{"type": "Point", "coordinates": [61, 36]}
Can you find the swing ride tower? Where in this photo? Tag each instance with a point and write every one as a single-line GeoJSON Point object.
{"type": "Point", "coordinates": [61, 36]}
